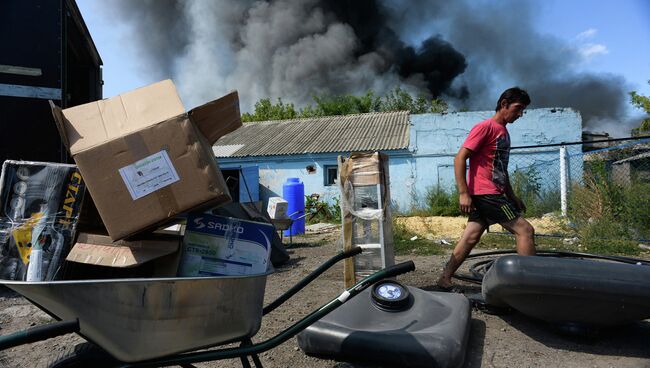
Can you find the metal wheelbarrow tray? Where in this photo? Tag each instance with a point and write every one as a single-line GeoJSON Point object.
{"type": "Point", "coordinates": [151, 321]}
{"type": "Point", "coordinates": [174, 314]}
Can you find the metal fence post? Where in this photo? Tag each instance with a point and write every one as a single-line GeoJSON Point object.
{"type": "Point", "coordinates": [563, 180]}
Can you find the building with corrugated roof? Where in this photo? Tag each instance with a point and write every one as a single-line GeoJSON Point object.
{"type": "Point", "coordinates": [259, 157]}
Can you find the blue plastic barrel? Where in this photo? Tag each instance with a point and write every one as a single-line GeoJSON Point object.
{"type": "Point", "coordinates": [293, 191]}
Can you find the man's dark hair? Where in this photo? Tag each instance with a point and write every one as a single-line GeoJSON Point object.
{"type": "Point", "coordinates": [512, 95]}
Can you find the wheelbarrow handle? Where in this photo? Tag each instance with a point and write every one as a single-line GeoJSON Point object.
{"type": "Point", "coordinates": [304, 282]}
{"type": "Point", "coordinates": [352, 252]}
{"type": "Point", "coordinates": [39, 333]}
{"type": "Point", "coordinates": [392, 271]}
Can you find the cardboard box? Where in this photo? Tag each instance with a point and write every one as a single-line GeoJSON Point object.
{"type": "Point", "coordinates": [150, 255]}
{"type": "Point", "coordinates": [365, 168]}
{"type": "Point", "coordinates": [144, 159]}
{"type": "Point", "coordinates": [277, 208]}
{"type": "Point", "coordinates": [219, 245]}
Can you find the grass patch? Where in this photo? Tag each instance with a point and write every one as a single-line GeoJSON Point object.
{"type": "Point", "coordinates": [613, 247]}
{"type": "Point", "coordinates": [507, 241]}
{"type": "Point", "coordinates": [403, 245]}
{"type": "Point", "coordinates": [420, 247]}
{"type": "Point", "coordinates": [305, 240]}
{"type": "Point", "coordinates": [594, 246]}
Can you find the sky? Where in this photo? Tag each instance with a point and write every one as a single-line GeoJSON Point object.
{"type": "Point", "coordinates": [607, 38]}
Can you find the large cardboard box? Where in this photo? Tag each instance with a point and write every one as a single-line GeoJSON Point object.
{"type": "Point", "coordinates": [144, 159]}
{"type": "Point", "coordinates": [219, 245]}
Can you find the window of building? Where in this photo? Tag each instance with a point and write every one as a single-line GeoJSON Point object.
{"type": "Point", "coordinates": [331, 174]}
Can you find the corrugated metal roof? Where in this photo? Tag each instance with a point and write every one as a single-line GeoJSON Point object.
{"type": "Point", "coordinates": [344, 133]}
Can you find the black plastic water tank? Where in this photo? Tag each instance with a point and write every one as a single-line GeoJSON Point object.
{"type": "Point", "coordinates": [393, 325]}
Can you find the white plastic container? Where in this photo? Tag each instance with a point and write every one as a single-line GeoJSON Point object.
{"type": "Point", "coordinates": [277, 208]}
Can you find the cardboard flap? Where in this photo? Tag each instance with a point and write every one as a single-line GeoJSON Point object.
{"type": "Point", "coordinates": [94, 123]}
{"type": "Point", "coordinates": [102, 251]}
{"type": "Point", "coordinates": [217, 118]}
{"type": "Point", "coordinates": [59, 121]}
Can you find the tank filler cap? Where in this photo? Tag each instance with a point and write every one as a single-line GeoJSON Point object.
{"type": "Point", "coordinates": [389, 295]}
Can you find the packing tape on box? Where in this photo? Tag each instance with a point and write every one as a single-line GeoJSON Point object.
{"type": "Point", "coordinates": [347, 204]}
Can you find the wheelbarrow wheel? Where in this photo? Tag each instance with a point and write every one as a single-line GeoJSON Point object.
{"type": "Point", "coordinates": [83, 355]}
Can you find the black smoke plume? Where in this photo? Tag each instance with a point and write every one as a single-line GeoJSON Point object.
{"type": "Point", "coordinates": [464, 51]}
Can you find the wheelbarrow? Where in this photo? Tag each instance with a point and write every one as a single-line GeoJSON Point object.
{"type": "Point", "coordinates": [164, 321]}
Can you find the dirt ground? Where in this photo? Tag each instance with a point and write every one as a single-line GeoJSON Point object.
{"type": "Point", "coordinates": [495, 341]}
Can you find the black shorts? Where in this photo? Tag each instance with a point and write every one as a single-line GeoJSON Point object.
{"type": "Point", "coordinates": [493, 209]}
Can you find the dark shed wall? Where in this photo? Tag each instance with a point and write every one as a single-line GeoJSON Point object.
{"type": "Point", "coordinates": [45, 53]}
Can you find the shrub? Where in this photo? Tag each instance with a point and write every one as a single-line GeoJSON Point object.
{"type": "Point", "coordinates": [322, 211]}
{"type": "Point", "coordinates": [440, 202]}
{"type": "Point", "coordinates": [526, 183]}
{"type": "Point", "coordinates": [604, 210]}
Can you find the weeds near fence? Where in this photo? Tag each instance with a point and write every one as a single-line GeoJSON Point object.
{"type": "Point", "coordinates": [440, 202]}
{"type": "Point", "coordinates": [322, 211]}
{"type": "Point", "coordinates": [527, 185]}
{"type": "Point", "coordinates": [602, 210]}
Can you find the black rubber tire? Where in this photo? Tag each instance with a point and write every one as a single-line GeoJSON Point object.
{"type": "Point", "coordinates": [83, 355]}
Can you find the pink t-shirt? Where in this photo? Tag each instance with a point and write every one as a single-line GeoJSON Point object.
{"type": "Point", "coordinates": [488, 165]}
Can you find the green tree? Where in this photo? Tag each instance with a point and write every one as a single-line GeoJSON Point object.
{"type": "Point", "coordinates": [329, 105]}
{"type": "Point", "coordinates": [265, 110]}
{"type": "Point", "coordinates": [642, 102]}
{"type": "Point", "coordinates": [400, 100]}
{"type": "Point", "coordinates": [439, 106]}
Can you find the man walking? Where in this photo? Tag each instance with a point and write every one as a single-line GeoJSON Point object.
{"type": "Point", "coordinates": [486, 194]}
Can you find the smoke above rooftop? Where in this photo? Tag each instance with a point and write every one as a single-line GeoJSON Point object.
{"type": "Point", "coordinates": [463, 51]}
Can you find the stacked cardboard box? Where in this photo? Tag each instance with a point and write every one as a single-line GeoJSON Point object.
{"type": "Point", "coordinates": [219, 245]}
{"type": "Point", "coordinates": [145, 161]}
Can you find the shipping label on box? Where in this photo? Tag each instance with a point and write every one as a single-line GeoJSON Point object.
{"type": "Point", "coordinates": [149, 174]}
{"type": "Point", "coordinates": [219, 246]}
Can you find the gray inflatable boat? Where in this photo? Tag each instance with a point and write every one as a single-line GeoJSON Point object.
{"type": "Point", "coordinates": [574, 291]}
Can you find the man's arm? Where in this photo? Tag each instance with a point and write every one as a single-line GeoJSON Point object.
{"type": "Point", "coordinates": [511, 195]}
{"type": "Point", "coordinates": [460, 170]}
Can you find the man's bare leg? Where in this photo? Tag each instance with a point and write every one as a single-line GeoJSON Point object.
{"type": "Point", "coordinates": [468, 240]}
{"type": "Point", "coordinates": [524, 235]}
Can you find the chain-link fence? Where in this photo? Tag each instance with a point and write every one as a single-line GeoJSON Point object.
{"type": "Point", "coordinates": [601, 189]}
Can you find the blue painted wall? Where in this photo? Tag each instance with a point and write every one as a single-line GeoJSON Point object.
{"type": "Point", "coordinates": [434, 140]}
